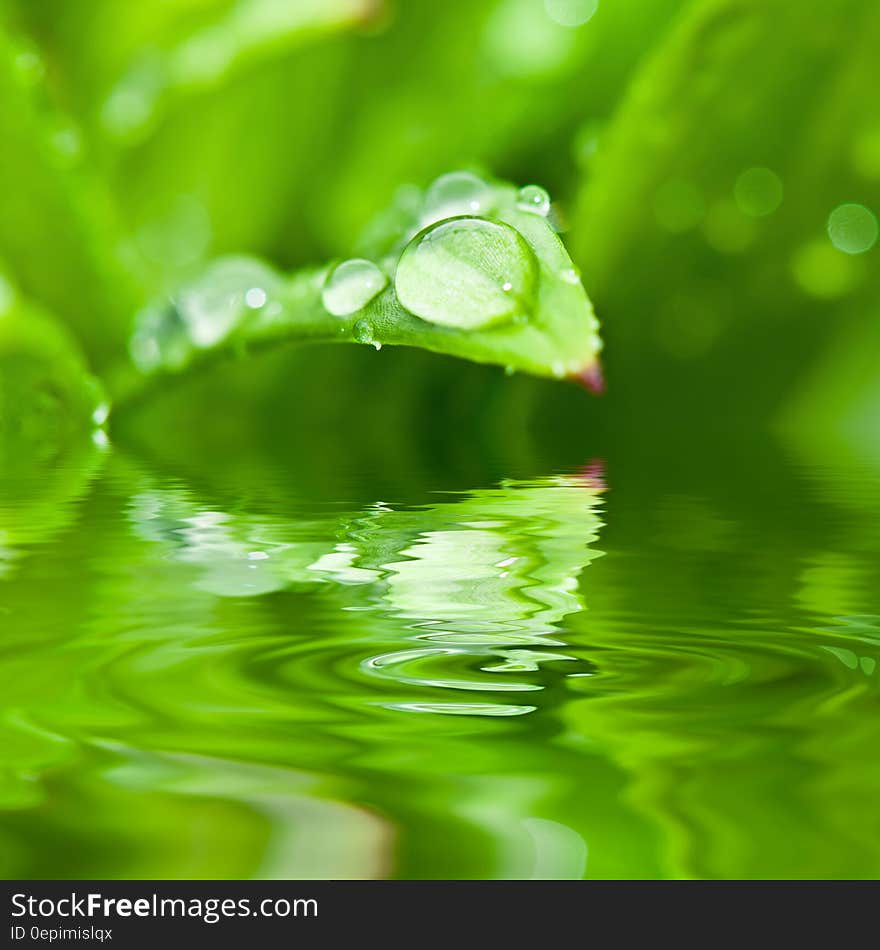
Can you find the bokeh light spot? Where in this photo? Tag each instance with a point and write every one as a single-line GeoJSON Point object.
{"type": "Point", "coordinates": [853, 229]}
{"type": "Point", "coordinates": [727, 229]}
{"type": "Point", "coordinates": [758, 192]}
{"type": "Point", "coordinates": [822, 271]}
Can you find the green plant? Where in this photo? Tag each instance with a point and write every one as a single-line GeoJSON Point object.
{"type": "Point", "coordinates": [470, 269]}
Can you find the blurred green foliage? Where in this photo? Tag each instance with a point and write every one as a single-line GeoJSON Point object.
{"type": "Point", "coordinates": [695, 151]}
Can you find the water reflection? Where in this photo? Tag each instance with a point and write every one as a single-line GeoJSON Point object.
{"type": "Point", "coordinates": [236, 682]}
{"type": "Point", "coordinates": [484, 579]}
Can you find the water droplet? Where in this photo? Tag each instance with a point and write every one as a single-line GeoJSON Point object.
{"type": "Point", "coordinates": [758, 192]}
{"type": "Point", "coordinates": [377, 345]}
{"type": "Point", "coordinates": [853, 229]}
{"type": "Point", "coordinates": [571, 13]}
{"type": "Point", "coordinates": [558, 370]}
{"type": "Point", "coordinates": [351, 285]}
{"type": "Point", "coordinates": [570, 275]}
{"type": "Point", "coordinates": [533, 198]}
{"type": "Point", "coordinates": [454, 273]}
{"type": "Point", "coordinates": [255, 298]}
{"type": "Point", "coordinates": [212, 306]}
{"type": "Point", "coordinates": [507, 286]}
{"type": "Point", "coordinates": [455, 194]}
{"type": "Point", "coordinates": [509, 371]}
{"type": "Point", "coordinates": [363, 331]}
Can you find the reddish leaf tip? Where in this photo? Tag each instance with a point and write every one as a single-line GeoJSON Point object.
{"type": "Point", "coordinates": [590, 378]}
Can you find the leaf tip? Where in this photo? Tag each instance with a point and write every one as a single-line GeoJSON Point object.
{"type": "Point", "coordinates": [590, 377]}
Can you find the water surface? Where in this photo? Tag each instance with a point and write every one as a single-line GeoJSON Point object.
{"type": "Point", "coordinates": [647, 665]}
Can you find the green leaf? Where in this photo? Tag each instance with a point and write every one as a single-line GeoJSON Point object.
{"type": "Point", "coordinates": [48, 398]}
{"type": "Point", "coordinates": [57, 227]}
{"type": "Point", "coordinates": [246, 32]}
{"type": "Point", "coordinates": [477, 273]}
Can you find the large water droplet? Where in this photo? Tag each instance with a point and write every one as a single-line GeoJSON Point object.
{"type": "Point", "coordinates": [455, 274]}
{"type": "Point", "coordinates": [455, 194]}
{"type": "Point", "coordinates": [351, 285]}
{"type": "Point", "coordinates": [533, 198]}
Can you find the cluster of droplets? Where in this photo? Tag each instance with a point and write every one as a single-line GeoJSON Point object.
{"type": "Point", "coordinates": [204, 313]}
{"type": "Point", "coordinates": [461, 269]}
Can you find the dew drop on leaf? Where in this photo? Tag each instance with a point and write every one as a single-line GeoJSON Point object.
{"type": "Point", "coordinates": [534, 199]}
{"type": "Point", "coordinates": [211, 307]}
{"type": "Point", "coordinates": [455, 273]}
{"type": "Point", "coordinates": [455, 194]}
{"type": "Point", "coordinates": [351, 285]}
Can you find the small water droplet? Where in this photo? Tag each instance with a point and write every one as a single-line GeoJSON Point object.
{"type": "Point", "coordinates": [454, 274]}
{"type": "Point", "coordinates": [570, 275]}
{"type": "Point", "coordinates": [363, 331]}
{"type": "Point", "coordinates": [509, 371]}
{"type": "Point", "coordinates": [533, 199]}
{"type": "Point", "coordinates": [455, 194]}
{"type": "Point", "coordinates": [559, 370]}
{"type": "Point", "coordinates": [255, 298]}
{"type": "Point", "coordinates": [351, 285]}
{"type": "Point", "coordinates": [377, 345]}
